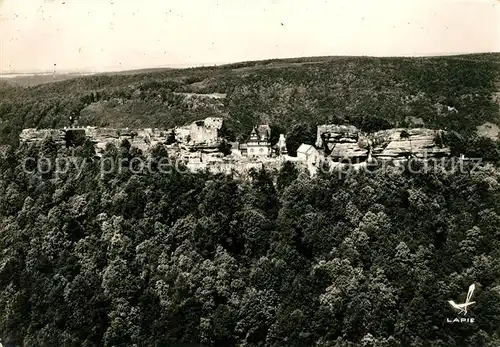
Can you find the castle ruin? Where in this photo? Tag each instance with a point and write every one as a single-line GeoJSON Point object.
{"type": "Point", "coordinates": [197, 144]}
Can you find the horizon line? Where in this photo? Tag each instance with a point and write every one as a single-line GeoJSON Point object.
{"type": "Point", "coordinates": [217, 64]}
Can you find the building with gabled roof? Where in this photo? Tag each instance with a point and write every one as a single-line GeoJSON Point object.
{"type": "Point", "coordinates": [308, 154]}
{"type": "Point", "coordinates": [259, 143]}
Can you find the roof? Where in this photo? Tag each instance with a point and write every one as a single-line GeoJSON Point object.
{"type": "Point", "coordinates": [306, 149]}
{"type": "Point", "coordinates": [260, 133]}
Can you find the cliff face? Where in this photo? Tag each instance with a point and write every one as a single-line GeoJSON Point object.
{"type": "Point", "coordinates": [328, 133]}
{"type": "Point", "coordinates": [340, 142]}
{"type": "Point", "coordinates": [200, 133]}
{"type": "Point", "coordinates": [140, 138]}
{"type": "Point", "coordinates": [398, 143]}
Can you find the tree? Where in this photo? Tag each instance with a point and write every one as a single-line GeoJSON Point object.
{"type": "Point", "coordinates": [298, 134]}
{"type": "Point", "coordinates": [287, 174]}
{"type": "Point", "coordinates": [224, 148]}
{"type": "Point", "coordinates": [171, 138]}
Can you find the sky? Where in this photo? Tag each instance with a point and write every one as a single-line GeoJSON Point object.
{"type": "Point", "coordinates": [107, 35]}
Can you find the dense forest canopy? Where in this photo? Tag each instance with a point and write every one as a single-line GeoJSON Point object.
{"type": "Point", "coordinates": [131, 259]}
{"type": "Point", "coordinates": [356, 258]}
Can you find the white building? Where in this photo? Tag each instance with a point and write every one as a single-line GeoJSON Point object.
{"type": "Point", "coordinates": [308, 154]}
{"type": "Point", "coordinates": [259, 144]}
{"type": "Point", "coordinates": [310, 157]}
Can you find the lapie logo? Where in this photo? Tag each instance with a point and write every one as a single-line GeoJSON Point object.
{"type": "Point", "coordinates": [462, 308]}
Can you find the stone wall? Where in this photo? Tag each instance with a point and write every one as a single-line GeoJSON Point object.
{"type": "Point", "coordinates": [213, 122]}
{"type": "Point", "coordinates": [200, 134]}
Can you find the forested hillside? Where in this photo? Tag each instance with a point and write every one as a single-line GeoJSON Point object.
{"type": "Point", "coordinates": [155, 259]}
{"type": "Point", "coordinates": [371, 93]}
{"type": "Point", "coordinates": [150, 258]}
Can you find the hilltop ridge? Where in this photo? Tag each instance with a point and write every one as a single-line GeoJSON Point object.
{"type": "Point", "coordinates": [456, 93]}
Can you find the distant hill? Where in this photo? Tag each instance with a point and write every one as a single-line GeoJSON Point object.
{"type": "Point", "coordinates": [34, 79]}
{"type": "Point", "coordinates": [135, 72]}
{"type": "Point", "coordinates": [4, 84]}
{"type": "Point", "coordinates": [451, 92]}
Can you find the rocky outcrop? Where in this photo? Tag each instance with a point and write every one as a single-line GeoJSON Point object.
{"type": "Point", "coordinates": [203, 133]}
{"type": "Point", "coordinates": [342, 143]}
{"type": "Point", "coordinates": [198, 95]}
{"type": "Point", "coordinates": [38, 135]}
{"type": "Point", "coordinates": [331, 133]}
{"type": "Point", "coordinates": [101, 137]}
{"type": "Point", "coordinates": [347, 150]}
{"type": "Point", "coordinates": [346, 142]}
{"type": "Point", "coordinates": [401, 143]}
{"type": "Point", "coordinates": [489, 130]}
